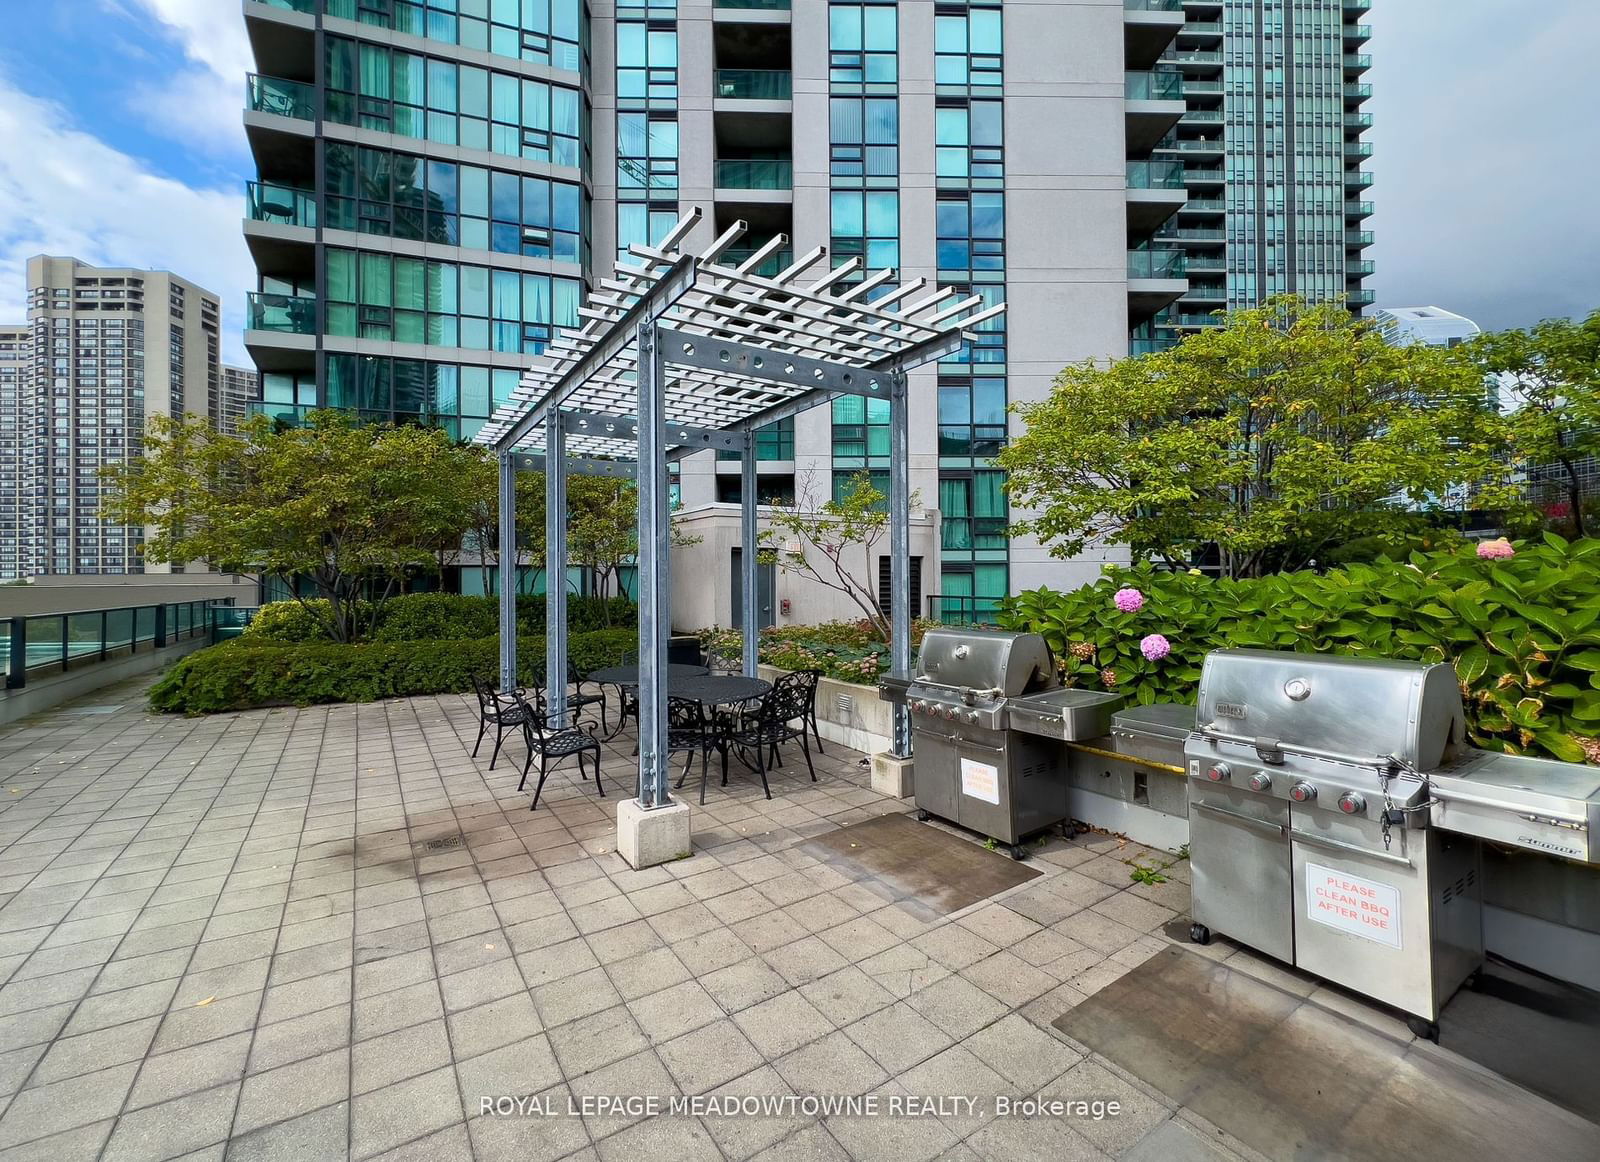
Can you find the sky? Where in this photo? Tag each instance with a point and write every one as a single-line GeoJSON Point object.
{"type": "Point", "coordinates": [121, 144]}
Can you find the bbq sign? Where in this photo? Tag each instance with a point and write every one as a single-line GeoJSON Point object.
{"type": "Point", "coordinates": [1361, 907]}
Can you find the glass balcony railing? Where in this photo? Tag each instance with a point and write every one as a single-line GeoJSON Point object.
{"type": "Point", "coordinates": [285, 205]}
{"type": "Point", "coordinates": [1357, 6]}
{"type": "Point", "coordinates": [35, 646]}
{"type": "Point", "coordinates": [1199, 56]}
{"type": "Point", "coordinates": [1357, 179]}
{"type": "Point", "coordinates": [1358, 149]}
{"type": "Point", "coordinates": [1200, 175]}
{"type": "Point", "coordinates": [755, 84]}
{"type": "Point", "coordinates": [1359, 61]}
{"type": "Point", "coordinates": [769, 267]}
{"type": "Point", "coordinates": [1207, 264]}
{"type": "Point", "coordinates": [1358, 237]}
{"type": "Point", "coordinates": [1195, 145]}
{"type": "Point", "coordinates": [1192, 320]}
{"type": "Point", "coordinates": [756, 174]}
{"type": "Point", "coordinates": [309, 7]}
{"type": "Point", "coordinates": [1150, 346]}
{"type": "Point", "coordinates": [284, 98]}
{"type": "Point", "coordinates": [1157, 263]}
{"type": "Point", "coordinates": [1203, 115]}
{"type": "Point", "coordinates": [1204, 206]}
{"type": "Point", "coordinates": [1193, 234]}
{"type": "Point", "coordinates": [1358, 120]}
{"type": "Point", "coordinates": [1357, 33]}
{"type": "Point", "coordinates": [1358, 209]}
{"type": "Point", "coordinates": [1362, 266]}
{"type": "Point", "coordinates": [1153, 5]}
{"type": "Point", "coordinates": [767, 5]}
{"type": "Point", "coordinates": [286, 314]}
{"type": "Point", "coordinates": [1155, 85]}
{"type": "Point", "coordinates": [1206, 292]}
{"type": "Point", "coordinates": [1155, 175]}
{"type": "Point", "coordinates": [1201, 28]}
{"type": "Point", "coordinates": [1357, 92]}
{"type": "Point", "coordinates": [1192, 85]}
{"type": "Point", "coordinates": [1361, 298]}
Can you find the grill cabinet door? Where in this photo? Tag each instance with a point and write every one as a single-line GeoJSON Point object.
{"type": "Point", "coordinates": [1239, 862]}
{"type": "Point", "coordinates": [936, 784]}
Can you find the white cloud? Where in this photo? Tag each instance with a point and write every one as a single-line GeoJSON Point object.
{"type": "Point", "coordinates": [200, 104]}
{"type": "Point", "coordinates": [64, 191]}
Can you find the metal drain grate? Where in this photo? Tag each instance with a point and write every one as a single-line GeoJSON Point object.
{"type": "Point", "coordinates": [443, 843]}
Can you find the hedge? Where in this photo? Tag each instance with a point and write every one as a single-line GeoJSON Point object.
{"type": "Point", "coordinates": [246, 673]}
{"type": "Point", "coordinates": [1521, 632]}
{"type": "Point", "coordinates": [441, 616]}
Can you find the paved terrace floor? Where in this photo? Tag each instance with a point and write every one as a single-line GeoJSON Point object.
{"type": "Point", "coordinates": [331, 932]}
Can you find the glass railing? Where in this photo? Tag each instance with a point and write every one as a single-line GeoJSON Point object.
{"type": "Point", "coordinates": [755, 174]}
{"type": "Point", "coordinates": [1361, 298]}
{"type": "Point", "coordinates": [1357, 5]}
{"type": "Point", "coordinates": [1157, 263]}
{"type": "Point", "coordinates": [291, 314]}
{"type": "Point", "coordinates": [1193, 234]}
{"type": "Point", "coordinates": [1358, 92]}
{"type": "Point", "coordinates": [1358, 120]}
{"type": "Point", "coordinates": [286, 205]}
{"type": "Point", "coordinates": [1207, 115]}
{"type": "Point", "coordinates": [1150, 346]}
{"type": "Point", "coordinates": [1204, 206]}
{"type": "Point", "coordinates": [59, 641]}
{"type": "Point", "coordinates": [1195, 145]}
{"type": "Point", "coordinates": [284, 98]}
{"type": "Point", "coordinates": [307, 6]}
{"type": "Point", "coordinates": [1192, 320]}
{"type": "Point", "coordinates": [1358, 149]}
{"type": "Point", "coordinates": [1153, 5]}
{"type": "Point", "coordinates": [1207, 263]}
{"type": "Point", "coordinates": [1206, 292]}
{"type": "Point", "coordinates": [755, 84]}
{"type": "Point", "coordinates": [1155, 175]}
{"type": "Point", "coordinates": [1362, 266]}
{"type": "Point", "coordinates": [1156, 85]}
{"type": "Point", "coordinates": [1201, 28]}
{"type": "Point", "coordinates": [1201, 174]}
{"type": "Point", "coordinates": [1197, 86]}
{"type": "Point", "coordinates": [1199, 56]}
{"type": "Point", "coordinates": [1357, 209]}
{"type": "Point", "coordinates": [1358, 60]}
{"type": "Point", "coordinates": [769, 267]}
{"type": "Point", "coordinates": [1358, 179]}
{"type": "Point", "coordinates": [1358, 237]}
{"type": "Point", "coordinates": [1357, 32]}
{"type": "Point", "coordinates": [768, 5]}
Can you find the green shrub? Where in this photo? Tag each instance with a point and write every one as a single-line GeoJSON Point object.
{"type": "Point", "coordinates": [440, 616]}
{"type": "Point", "coordinates": [1521, 632]}
{"type": "Point", "coordinates": [849, 651]}
{"type": "Point", "coordinates": [246, 672]}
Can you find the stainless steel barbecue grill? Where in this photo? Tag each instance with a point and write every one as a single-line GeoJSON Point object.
{"type": "Point", "coordinates": [988, 715]}
{"type": "Point", "coordinates": [1335, 818]}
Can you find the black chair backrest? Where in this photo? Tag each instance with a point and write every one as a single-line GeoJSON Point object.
{"type": "Point", "coordinates": [532, 720]}
{"type": "Point", "coordinates": [782, 704]}
{"type": "Point", "coordinates": [482, 689]}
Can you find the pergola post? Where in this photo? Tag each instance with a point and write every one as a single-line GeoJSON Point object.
{"type": "Point", "coordinates": [899, 554]}
{"type": "Point", "coordinates": [508, 571]}
{"type": "Point", "coordinates": [654, 574]}
{"type": "Point", "coordinates": [747, 556]}
{"type": "Point", "coordinates": [555, 568]}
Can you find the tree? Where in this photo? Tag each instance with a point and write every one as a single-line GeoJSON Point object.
{"type": "Point", "coordinates": [1550, 375]}
{"type": "Point", "coordinates": [1283, 432]}
{"type": "Point", "coordinates": [834, 532]}
{"type": "Point", "coordinates": [356, 509]}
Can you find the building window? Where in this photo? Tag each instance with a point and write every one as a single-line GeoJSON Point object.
{"type": "Point", "coordinates": [967, 49]}
{"type": "Point", "coordinates": [864, 135]}
{"type": "Point", "coordinates": [773, 442]}
{"type": "Point", "coordinates": [647, 65]}
{"type": "Point", "coordinates": [863, 42]}
{"type": "Point", "coordinates": [866, 226]}
{"type": "Point", "coordinates": [547, 32]}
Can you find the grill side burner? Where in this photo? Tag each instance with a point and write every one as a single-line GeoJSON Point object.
{"type": "Point", "coordinates": [972, 767]}
{"type": "Point", "coordinates": [1309, 823]}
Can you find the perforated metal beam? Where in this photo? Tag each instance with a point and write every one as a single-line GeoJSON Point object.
{"type": "Point", "coordinates": [800, 372]}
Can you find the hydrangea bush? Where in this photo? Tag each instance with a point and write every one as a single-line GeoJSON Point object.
{"type": "Point", "coordinates": [1519, 622]}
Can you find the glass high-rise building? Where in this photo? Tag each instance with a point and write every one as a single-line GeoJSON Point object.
{"type": "Point", "coordinates": [1273, 152]}
{"type": "Point", "coordinates": [440, 181]}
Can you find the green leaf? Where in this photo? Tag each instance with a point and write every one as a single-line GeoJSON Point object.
{"type": "Point", "coordinates": [1562, 746]}
{"type": "Point", "coordinates": [1472, 663]}
{"type": "Point", "coordinates": [1585, 660]}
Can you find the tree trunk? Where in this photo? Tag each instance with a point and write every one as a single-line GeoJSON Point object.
{"type": "Point", "coordinates": [1575, 497]}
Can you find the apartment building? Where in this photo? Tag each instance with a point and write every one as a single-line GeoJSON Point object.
{"type": "Point", "coordinates": [104, 349]}
{"type": "Point", "coordinates": [1271, 147]}
{"type": "Point", "coordinates": [441, 181]}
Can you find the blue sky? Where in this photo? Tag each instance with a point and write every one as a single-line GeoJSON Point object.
{"type": "Point", "coordinates": [120, 143]}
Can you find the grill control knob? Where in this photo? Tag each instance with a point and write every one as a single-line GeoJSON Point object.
{"type": "Point", "coordinates": [1261, 781]}
{"type": "Point", "coordinates": [972, 716]}
{"type": "Point", "coordinates": [1302, 792]}
{"type": "Point", "coordinates": [1353, 803]}
{"type": "Point", "coordinates": [1218, 772]}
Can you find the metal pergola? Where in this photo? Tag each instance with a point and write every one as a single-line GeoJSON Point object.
{"type": "Point", "coordinates": [678, 353]}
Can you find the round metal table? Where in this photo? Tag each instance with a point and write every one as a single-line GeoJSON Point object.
{"type": "Point", "coordinates": [718, 689]}
{"type": "Point", "coordinates": [629, 675]}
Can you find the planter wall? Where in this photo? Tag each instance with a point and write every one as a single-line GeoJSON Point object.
{"type": "Point", "coordinates": [848, 713]}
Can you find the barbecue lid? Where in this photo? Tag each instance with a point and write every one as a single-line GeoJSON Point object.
{"type": "Point", "coordinates": [1354, 708]}
{"type": "Point", "coordinates": [1167, 720]}
{"type": "Point", "coordinates": [978, 659]}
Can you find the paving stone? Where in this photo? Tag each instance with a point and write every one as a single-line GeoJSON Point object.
{"type": "Point", "coordinates": [898, 1037]}
{"type": "Point", "coordinates": [320, 1136]}
{"type": "Point", "coordinates": [493, 1024]}
{"type": "Point", "coordinates": [527, 1066]}
{"type": "Point", "coordinates": [785, 1022]}
{"type": "Point", "coordinates": [400, 1113]}
{"type": "Point", "coordinates": [184, 1071]}
{"type": "Point", "coordinates": [738, 986]}
{"type": "Point", "coordinates": [597, 1040]}
{"type": "Point", "coordinates": [65, 1105]}
{"type": "Point", "coordinates": [381, 1061]}
{"type": "Point", "coordinates": [174, 1128]}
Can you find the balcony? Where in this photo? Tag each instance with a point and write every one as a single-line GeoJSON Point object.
{"type": "Point", "coordinates": [1357, 179]}
{"type": "Point", "coordinates": [1199, 56]}
{"type": "Point", "coordinates": [1150, 346]}
{"type": "Point", "coordinates": [1204, 175]}
{"type": "Point", "coordinates": [1155, 278]}
{"type": "Point", "coordinates": [1148, 28]}
{"type": "Point", "coordinates": [1354, 94]}
{"type": "Point", "coordinates": [1156, 191]}
{"type": "Point", "coordinates": [1204, 206]}
{"type": "Point", "coordinates": [1190, 320]}
{"type": "Point", "coordinates": [1203, 116]}
{"type": "Point", "coordinates": [309, 7]}
{"type": "Point", "coordinates": [1201, 88]}
{"type": "Point", "coordinates": [755, 174]}
{"type": "Point", "coordinates": [1357, 149]}
{"type": "Point", "coordinates": [1359, 268]}
{"type": "Point", "coordinates": [1360, 298]}
{"type": "Point", "coordinates": [754, 84]}
{"type": "Point", "coordinates": [1357, 121]}
{"type": "Point", "coordinates": [282, 314]}
{"type": "Point", "coordinates": [1358, 237]}
{"type": "Point", "coordinates": [1357, 33]}
{"type": "Point", "coordinates": [1357, 62]}
{"type": "Point", "coordinates": [1358, 209]}
{"type": "Point", "coordinates": [1154, 104]}
{"type": "Point", "coordinates": [1201, 28]}
{"type": "Point", "coordinates": [769, 267]}
{"type": "Point", "coordinates": [757, 5]}
{"type": "Point", "coordinates": [281, 98]}
{"type": "Point", "coordinates": [1206, 292]}
{"type": "Point", "coordinates": [1213, 263]}
{"type": "Point", "coordinates": [1196, 146]}
{"type": "Point", "coordinates": [280, 204]}
{"type": "Point", "coordinates": [1357, 7]}
{"type": "Point", "coordinates": [1197, 234]}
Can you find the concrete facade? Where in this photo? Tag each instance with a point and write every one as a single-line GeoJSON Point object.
{"type": "Point", "coordinates": [15, 351]}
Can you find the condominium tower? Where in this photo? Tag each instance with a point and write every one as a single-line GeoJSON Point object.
{"type": "Point", "coordinates": [15, 353]}
{"type": "Point", "coordinates": [1271, 144]}
{"type": "Point", "coordinates": [441, 181]}
{"type": "Point", "coordinates": [106, 348]}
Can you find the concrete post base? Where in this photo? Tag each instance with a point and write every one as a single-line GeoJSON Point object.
{"type": "Point", "coordinates": [891, 775]}
{"type": "Point", "coordinates": [648, 837]}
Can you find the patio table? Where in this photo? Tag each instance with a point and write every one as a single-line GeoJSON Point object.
{"type": "Point", "coordinates": [629, 675]}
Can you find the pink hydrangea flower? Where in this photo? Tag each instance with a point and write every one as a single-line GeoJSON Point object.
{"type": "Point", "coordinates": [1128, 600]}
{"type": "Point", "coordinates": [1155, 647]}
{"type": "Point", "coordinates": [1495, 550]}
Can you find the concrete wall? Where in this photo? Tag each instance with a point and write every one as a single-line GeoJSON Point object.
{"type": "Point", "coordinates": [54, 689]}
{"type": "Point", "coordinates": [71, 594]}
{"type": "Point", "coordinates": [702, 574]}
